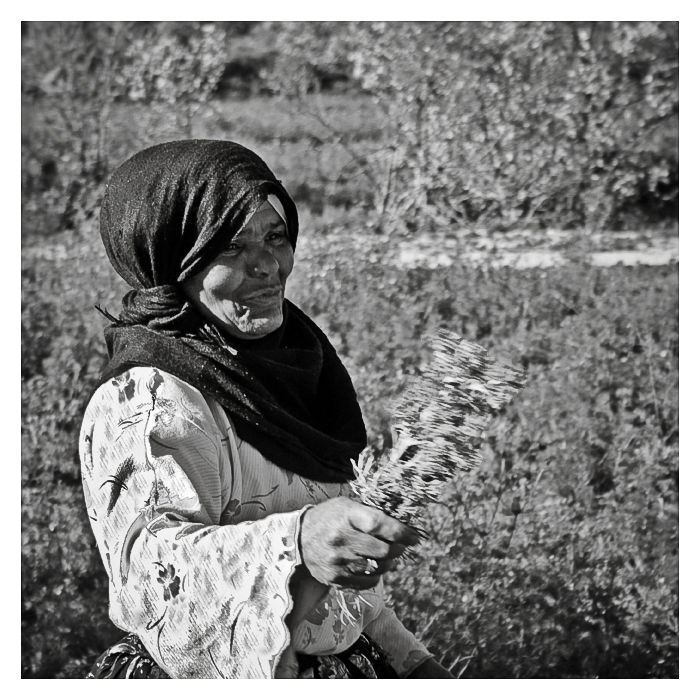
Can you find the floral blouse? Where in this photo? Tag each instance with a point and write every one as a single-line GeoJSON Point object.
{"type": "Point", "coordinates": [199, 534]}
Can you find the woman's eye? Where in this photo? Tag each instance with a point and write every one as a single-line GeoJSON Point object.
{"type": "Point", "coordinates": [233, 248]}
{"type": "Point", "coordinates": [277, 237]}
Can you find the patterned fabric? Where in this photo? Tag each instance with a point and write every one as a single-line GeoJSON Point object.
{"type": "Point", "coordinates": [364, 659]}
{"type": "Point", "coordinates": [128, 658]}
{"type": "Point", "coordinates": [198, 533]}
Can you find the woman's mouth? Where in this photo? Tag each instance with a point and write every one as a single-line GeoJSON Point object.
{"type": "Point", "coordinates": [262, 297]}
{"type": "Point", "coordinates": [263, 293]}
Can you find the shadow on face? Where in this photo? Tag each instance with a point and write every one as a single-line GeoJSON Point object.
{"type": "Point", "coordinates": [242, 290]}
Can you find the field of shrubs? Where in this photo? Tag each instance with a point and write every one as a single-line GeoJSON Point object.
{"type": "Point", "coordinates": [559, 556]}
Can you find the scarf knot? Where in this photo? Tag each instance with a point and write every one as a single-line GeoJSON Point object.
{"type": "Point", "coordinates": [163, 308]}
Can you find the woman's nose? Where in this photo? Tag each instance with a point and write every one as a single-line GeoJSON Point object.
{"type": "Point", "coordinates": [261, 263]}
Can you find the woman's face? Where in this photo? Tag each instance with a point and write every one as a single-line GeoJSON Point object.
{"type": "Point", "coordinates": [242, 290]}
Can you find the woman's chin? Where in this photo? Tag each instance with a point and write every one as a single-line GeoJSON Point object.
{"type": "Point", "coordinates": [256, 327]}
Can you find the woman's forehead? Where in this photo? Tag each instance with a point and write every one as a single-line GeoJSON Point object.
{"type": "Point", "coordinates": [264, 218]}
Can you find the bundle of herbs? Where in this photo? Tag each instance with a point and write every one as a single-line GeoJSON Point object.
{"type": "Point", "coordinates": [437, 427]}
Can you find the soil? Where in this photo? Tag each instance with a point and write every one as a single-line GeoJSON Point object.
{"type": "Point", "coordinates": [541, 249]}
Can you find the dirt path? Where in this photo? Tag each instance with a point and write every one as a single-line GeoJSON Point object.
{"type": "Point", "coordinates": [541, 249]}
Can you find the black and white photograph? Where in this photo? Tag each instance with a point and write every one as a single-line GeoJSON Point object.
{"type": "Point", "coordinates": [350, 349]}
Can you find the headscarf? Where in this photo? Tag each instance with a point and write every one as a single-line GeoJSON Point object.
{"type": "Point", "coordinates": [166, 214]}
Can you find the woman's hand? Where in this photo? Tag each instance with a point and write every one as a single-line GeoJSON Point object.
{"type": "Point", "coordinates": [350, 544]}
{"type": "Point", "coordinates": [430, 669]}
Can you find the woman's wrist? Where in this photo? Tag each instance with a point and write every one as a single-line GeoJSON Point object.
{"type": "Point", "coordinates": [305, 590]}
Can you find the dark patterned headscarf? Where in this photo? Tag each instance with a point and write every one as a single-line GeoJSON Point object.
{"type": "Point", "coordinates": [166, 214]}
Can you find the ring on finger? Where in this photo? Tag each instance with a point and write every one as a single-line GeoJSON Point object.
{"type": "Point", "coordinates": [371, 566]}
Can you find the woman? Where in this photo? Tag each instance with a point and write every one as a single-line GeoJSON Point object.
{"type": "Point", "coordinates": [217, 452]}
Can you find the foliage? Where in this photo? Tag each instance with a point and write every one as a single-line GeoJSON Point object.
{"type": "Point", "coordinates": [555, 559]}
{"type": "Point", "coordinates": [68, 68]}
{"type": "Point", "coordinates": [558, 557]}
{"type": "Point", "coordinates": [478, 124]}
{"type": "Point", "coordinates": [75, 75]}
{"type": "Point", "coordinates": [71, 67]}
{"type": "Point", "coordinates": [500, 124]}
{"type": "Point", "coordinates": [178, 70]}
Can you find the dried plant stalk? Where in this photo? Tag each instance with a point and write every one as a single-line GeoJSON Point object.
{"type": "Point", "coordinates": [437, 426]}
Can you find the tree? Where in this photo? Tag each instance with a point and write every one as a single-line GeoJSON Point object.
{"type": "Point", "coordinates": [75, 77]}
{"type": "Point", "coordinates": [176, 69]}
{"type": "Point", "coordinates": [504, 124]}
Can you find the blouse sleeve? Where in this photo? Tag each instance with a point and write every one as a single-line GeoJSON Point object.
{"type": "Point", "coordinates": [403, 651]}
{"type": "Point", "coordinates": [206, 600]}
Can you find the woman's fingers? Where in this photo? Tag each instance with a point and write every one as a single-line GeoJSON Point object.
{"type": "Point", "coordinates": [378, 566]}
{"type": "Point", "coordinates": [348, 543]}
{"type": "Point", "coordinates": [374, 522]}
{"type": "Point", "coordinates": [359, 581]}
{"type": "Point", "coordinates": [360, 545]}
